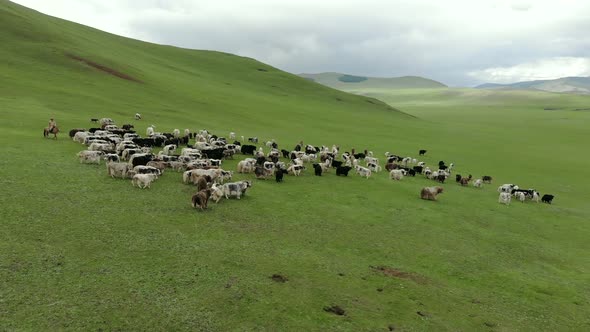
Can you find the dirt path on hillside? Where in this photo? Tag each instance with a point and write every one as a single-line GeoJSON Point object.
{"type": "Point", "coordinates": [103, 68]}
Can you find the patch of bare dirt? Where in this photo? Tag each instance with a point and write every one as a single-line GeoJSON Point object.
{"type": "Point", "coordinates": [279, 278]}
{"type": "Point", "coordinates": [103, 68]}
{"type": "Point", "coordinates": [336, 310]}
{"type": "Point", "coordinates": [395, 273]}
{"type": "Point", "coordinates": [231, 282]}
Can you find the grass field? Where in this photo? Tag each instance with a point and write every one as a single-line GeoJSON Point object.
{"type": "Point", "coordinates": [82, 251]}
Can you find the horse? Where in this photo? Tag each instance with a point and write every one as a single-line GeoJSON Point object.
{"type": "Point", "coordinates": [54, 131]}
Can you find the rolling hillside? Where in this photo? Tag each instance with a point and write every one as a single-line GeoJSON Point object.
{"type": "Point", "coordinates": [350, 82]}
{"type": "Point", "coordinates": [73, 63]}
{"type": "Point", "coordinates": [578, 85]}
{"type": "Point", "coordinates": [80, 250]}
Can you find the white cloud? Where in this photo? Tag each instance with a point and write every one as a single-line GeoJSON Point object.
{"type": "Point", "coordinates": [536, 70]}
{"type": "Point", "coordinates": [522, 6]}
{"type": "Point", "coordinates": [444, 40]}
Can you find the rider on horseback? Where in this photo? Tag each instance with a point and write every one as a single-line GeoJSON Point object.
{"type": "Point", "coordinates": [52, 125]}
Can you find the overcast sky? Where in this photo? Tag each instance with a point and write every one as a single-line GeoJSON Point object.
{"type": "Point", "coordinates": [458, 42]}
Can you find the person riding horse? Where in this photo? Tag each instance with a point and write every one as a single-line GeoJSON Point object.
{"type": "Point", "coordinates": [52, 125]}
{"type": "Point", "coordinates": [51, 129]}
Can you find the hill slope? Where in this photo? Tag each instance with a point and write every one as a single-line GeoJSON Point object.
{"type": "Point", "coordinates": [350, 82]}
{"type": "Point", "coordinates": [82, 251]}
{"type": "Point", "coordinates": [580, 85]}
{"type": "Point", "coordinates": [74, 62]}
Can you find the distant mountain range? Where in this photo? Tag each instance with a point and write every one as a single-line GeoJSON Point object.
{"type": "Point", "coordinates": [580, 85]}
{"type": "Point", "coordinates": [345, 82]}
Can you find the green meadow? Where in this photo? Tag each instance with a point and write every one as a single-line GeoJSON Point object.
{"type": "Point", "coordinates": [82, 251]}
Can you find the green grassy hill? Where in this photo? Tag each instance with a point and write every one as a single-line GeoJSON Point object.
{"type": "Point", "coordinates": [350, 82]}
{"type": "Point", "coordinates": [82, 251]}
{"type": "Point", "coordinates": [170, 80]}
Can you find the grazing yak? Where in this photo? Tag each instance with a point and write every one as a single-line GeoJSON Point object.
{"type": "Point", "coordinates": [236, 189]}
{"type": "Point", "coordinates": [430, 193]}
{"type": "Point", "coordinates": [279, 173]}
{"type": "Point", "coordinates": [536, 196]}
{"type": "Point", "coordinates": [216, 193]}
{"type": "Point", "coordinates": [478, 183]}
{"type": "Point", "coordinates": [359, 155]}
{"type": "Point", "coordinates": [343, 170]}
{"type": "Point", "coordinates": [261, 172]}
{"type": "Point", "coordinates": [529, 193]}
{"type": "Point", "coordinates": [363, 171]}
{"type": "Point", "coordinates": [147, 170]}
{"type": "Point", "coordinates": [73, 132]}
{"type": "Point", "coordinates": [245, 166]}
{"type": "Point", "coordinates": [143, 180]}
{"type": "Point", "coordinates": [119, 170]}
{"type": "Point", "coordinates": [374, 167]}
{"type": "Point", "coordinates": [507, 188]}
{"type": "Point", "coordinates": [505, 198]}
{"type": "Point", "coordinates": [200, 199]}
{"type": "Point", "coordinates": [248, 149]}
{"type": "Point", "coordinates": [336, 163]}
{"type": "Point", "coordinates": [201, 182]}
{"type": "Point", "coordinates": [465, 181]}
{"type": "Point", "coordinates": [397, 174]}
{"type": "Point", "coordinates": [520, 196]}
{"type": "Point", "coordinates": [547, 198]}
{"type": "Point", "coordinates": [87, 156]}
{"type": "Point", "coordinates": [295, 169]}
{"type": "Point", "coordinates": [317, 169]}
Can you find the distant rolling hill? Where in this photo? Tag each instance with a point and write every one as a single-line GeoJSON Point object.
{"type": "Point", "coordinates": [350, 82]}
{"type": "Point", "coordinates": [580, 85]}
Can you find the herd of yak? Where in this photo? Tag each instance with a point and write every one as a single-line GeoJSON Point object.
{"type": "Point", "coordinates": [128, 155]}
